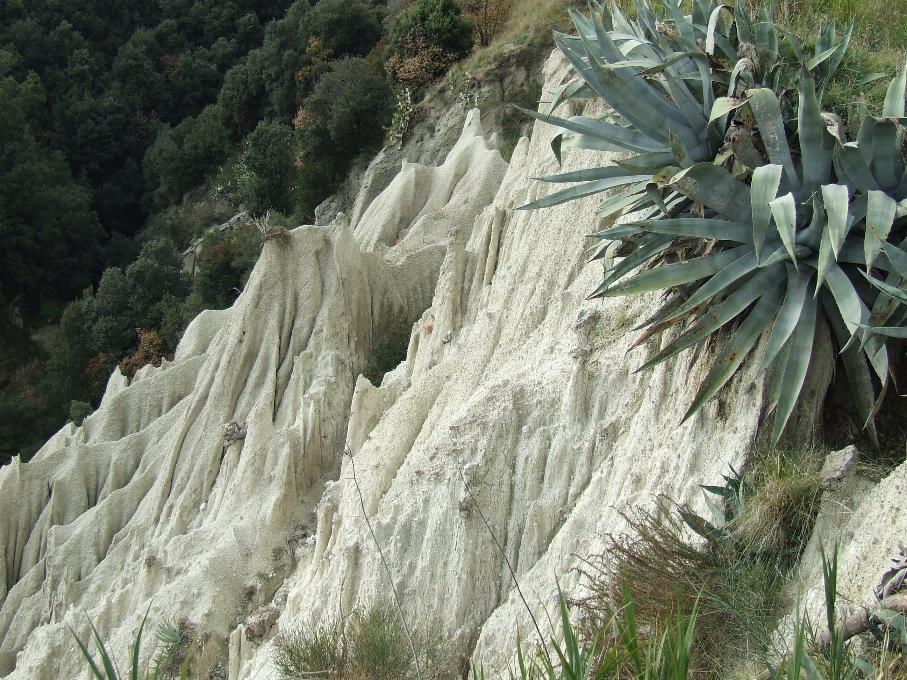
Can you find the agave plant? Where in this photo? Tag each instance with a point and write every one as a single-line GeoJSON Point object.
{"type": "Point", "coordinates": [670, 86]}
{"type": "Point", "coordinates": [743, 227]}
{"type": "Point", "coordinates": [105, 668]}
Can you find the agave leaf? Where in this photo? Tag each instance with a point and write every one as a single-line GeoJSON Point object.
{"type": "Point", "coordinates": [858, 375]}
{"type": "Point", "coordinates": [679, 149]}
{"type": "Point", "coordinates": [737, 348]}
{"type": "Point", "coordinates": [634, 93]}
{"type": "Point", "coordinates": [575, 89]}
{"type": "Point", "coordinates": [887, 164]}
{"type": "Point", "coordinates": [894, 98]}
{"type": "Point", "coordinates": [815, 153]}
{"type": "Point", "coordinates": [718, 316]}
{"type": "Point", "coordinates": [712, 29]}
{"type": "Point", "coordinates": [719, 283]}
{"type": "Point", "coordinates": [767, 110]}
{"type": "Point", "coordinates": [897, 257]}
{"type": "Point", "coordinates": [795, 46]}
{"type": "Point", "coordinates": [898, 294]}
{"type": "Point", "coordinates": [671, 275]}
{"type": "Point", "coordinates": [630, 199]}
{"type": "Point", "coordinates": [581, 190]}
{"type": "Point", "coordinates": [648, 162]}
{"type": "Point", "coordinates": [788, 316]}
{"type": "Point", "coordinates": [796, 366]}
{"type": "Point", "coordinates": [724, 105]}
{"type": "Point", "coordinates": [665, 63]}
{"type": "Point", "coordinates": [719, 230]}
{"type": "Point", "coordinates": [674, 300]}
{"type": "Point", "coordinates": [715, 188]}
{"type": "Point", "coordinates": [836, 58]}
{"type": "Point", "coordinates": [772, 390]}
{"type": "Point", "coordinates": [888, 331]}
{"type": "Point", "coordinates": [685, 100]}
{"type": "Point", "coordinates": [784, 210]}
{"type": "Point", "coordinates": [836, 197]}
{"type": "Point", "coordinates": [853, 311]}
{"type": "Point", "coordinates": [765, 182]}
{"type": "Point", "coordinates": [642, 255]}
{"type": "Point", "coordinates": [767, 38]}
{"type": "Point", "coordinates": [878, 359]}
{"type": "Point", "coordinates": [743, 69]}
{"type": "Point", "coordinates": [585, 175]}
{"type": "Point", "coordinates": [879, 218]}
{"type": "Point", "coordinates": [821, 57]}
{"type": "Point", "coordinates": [626, 138]}
{"type": "Point", "coordinates": [743, 24]}
{"type": "Point", "coordinates": [852, 163]}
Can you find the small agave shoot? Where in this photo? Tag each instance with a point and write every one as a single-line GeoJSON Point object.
{"type": "Point", "coordinates": [753, 210]}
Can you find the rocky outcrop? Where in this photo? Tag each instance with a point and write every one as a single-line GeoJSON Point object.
{"type": "Point", "coordinates": [148, 503]}
{"type": "Point", "coordinates": [518, 403]}
{"type": "Point", "coordinates": [519, 388]}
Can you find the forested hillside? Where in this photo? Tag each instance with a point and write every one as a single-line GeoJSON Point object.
{"type": "Point", "coordinates": [130, 129]}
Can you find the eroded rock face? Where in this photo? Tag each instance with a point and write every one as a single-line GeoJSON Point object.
{"type": "Point", "coordinates": [518, 398]}
{"type": "Point", "coordinates": [518, 387]}
{"type": "Point", "coordinates": [150, 502]}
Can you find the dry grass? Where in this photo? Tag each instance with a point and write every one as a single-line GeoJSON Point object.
{"type": "Point", "coordinates": [736, 576]}
{"type": "Point", "coordinates": [781, 498]}
{"type": "Point", "coordinates": [667, 574]}
{"type": "Point", "coordinates": [530, 23]}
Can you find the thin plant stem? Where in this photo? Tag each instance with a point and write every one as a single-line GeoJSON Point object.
{"type": "Point", "coordinates": [509, 566]}
{"type": "Point", "coordinates": [409, 635]}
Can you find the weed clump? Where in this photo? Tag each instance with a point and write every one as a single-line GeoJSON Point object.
{"type": "Point", "coordinates": [734, 571]}
{"type": "Point", "coordinates": [370, 644]}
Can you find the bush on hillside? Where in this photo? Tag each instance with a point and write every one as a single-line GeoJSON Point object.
{"type": "Point", "coordinates": [345, 115]}
{"type": "Point", "coordinates": [224, 264]}
{"type": "Point", "coordinates": [150, 350]}
{"type": "Point", "coordinates": [345, 27]}
{"type": "Point", "coordinates": [487, 17]}
{"type": "Point", "coordinates": [182, 156]}
{"type": "Point", "coordinates": [266, 173]}
{"type": "Point", "coordinates": [426, 39]}
{"type": "Point", "coordinates": [157, 273]}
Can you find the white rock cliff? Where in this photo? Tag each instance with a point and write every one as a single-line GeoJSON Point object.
{"type": "Point", "coordinates": [514, 384]}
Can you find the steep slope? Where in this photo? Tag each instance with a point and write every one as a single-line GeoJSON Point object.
{"type": "Point", "coordinates": [519, 387]}
{"type": "Point", "coordinates": [147, 502]}
{"type": "Point", "coordinates": [518, 402]}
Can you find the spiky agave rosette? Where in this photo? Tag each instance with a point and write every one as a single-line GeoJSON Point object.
{"type": "Point", "coordinates": [755, 212]}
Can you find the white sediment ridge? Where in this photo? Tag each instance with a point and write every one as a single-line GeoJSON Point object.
{"type": "Point", "coordinates": [514, 383]}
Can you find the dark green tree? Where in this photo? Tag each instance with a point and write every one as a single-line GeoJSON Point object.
{"type": "Point", "coordinates": [345, 27]}
{"type": "Point", "coordinates": [156, 274]}
{"type": "Point", "coordinates": [266, 172]}
{"type": "Point", "coordinates": [426, 39]}
{"type": "Point", "coordinates": [345, 115]}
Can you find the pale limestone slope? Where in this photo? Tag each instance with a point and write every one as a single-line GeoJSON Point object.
{"type": "Point", "coordinates": [144, 504]}
{"type": "Point", "coordinates": [523, 387]}
{"type": "Point", "coordinates": [513, 382]}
